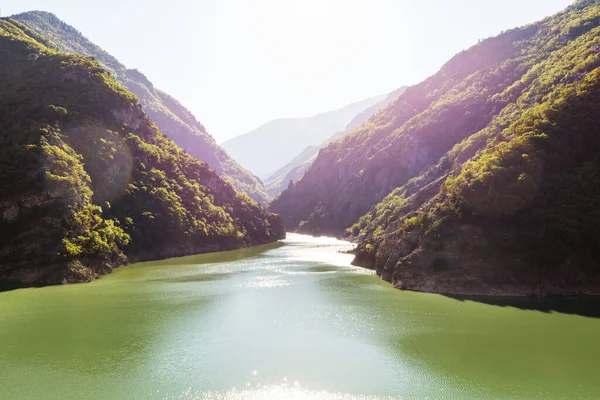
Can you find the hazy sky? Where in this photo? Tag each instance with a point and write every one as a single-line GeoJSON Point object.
{"type": "Point", "coordinates": [237, 64]}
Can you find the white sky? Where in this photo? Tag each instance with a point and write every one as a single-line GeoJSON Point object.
{"type": "Point", "coordinates": [237, 64]}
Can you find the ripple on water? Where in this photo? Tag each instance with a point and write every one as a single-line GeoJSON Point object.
{"type": "Point", "coordinates": [260, 282]}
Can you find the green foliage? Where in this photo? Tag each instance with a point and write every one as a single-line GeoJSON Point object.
{"type": "Point", "coordinates": [64, 175]}
{"type": "Point", "coordinates": [415, 222]}
{"type": "Point", "coordinates": [544, 178]}
{"type": "Point", "coordinates": [91, 235]}
{"type": "Point", "coordinates": [73, 139]}
{"type": "Point", "coordinates": [55, 113]}
{"type": "Point", "coordinates": [502, 181]}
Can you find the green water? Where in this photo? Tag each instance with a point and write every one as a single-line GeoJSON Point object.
{"type": "Point", "coordinates": [292, 321]}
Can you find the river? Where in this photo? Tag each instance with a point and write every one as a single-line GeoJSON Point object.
{"type": "Point", "coordinates": [287, 321]}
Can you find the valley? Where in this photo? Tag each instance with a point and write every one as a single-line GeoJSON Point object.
{"type": "Point", "coordinates": [439, 240]}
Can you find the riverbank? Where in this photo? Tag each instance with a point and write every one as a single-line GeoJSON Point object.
{"type": "Point", "coordinates": [95, 269]}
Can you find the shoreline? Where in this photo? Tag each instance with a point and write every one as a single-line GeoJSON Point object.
{"type": "Point", "coordinates": [11, 284]}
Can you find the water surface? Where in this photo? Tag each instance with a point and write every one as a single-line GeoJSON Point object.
{"type": "Point", "coordinates": [287, 321]}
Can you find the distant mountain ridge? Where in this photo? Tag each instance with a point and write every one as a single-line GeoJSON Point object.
{"type": "Point", "coordinates": [295, 169]}
{"type": "Point", "coordinates": [269, 147]}
{"type": "Point", "coordinates": [173, 119]}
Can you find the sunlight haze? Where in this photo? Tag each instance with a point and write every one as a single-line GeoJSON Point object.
{"type": "Point", "coordinates": [239, 64]}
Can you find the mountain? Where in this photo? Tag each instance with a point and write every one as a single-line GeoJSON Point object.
{"type": "Point", "coordinates": [274, 144]}
{"type": "Point", "coordinates": [88, 180]}
{"type": "Point", "coordinates": [484, 178]}
{"type": "Point", "coordinates": [172, 118]}
{"type": "Point", "coordinates": [295, 169]}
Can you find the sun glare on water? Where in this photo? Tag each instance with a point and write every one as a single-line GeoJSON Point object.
{"type": "Point", "coordinates": [287, 391]}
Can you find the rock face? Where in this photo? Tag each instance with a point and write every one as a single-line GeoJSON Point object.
{"type": "Point", "coordinates": [295, 169]}
{"type": "Point", "coordinates": [171, 117]}
{"type": "Point", "coordinates": [88, 181]}
{"type": "Point", "coordinates": [483, 179]}
{"type": "Point", "coordinates": [283, 139]}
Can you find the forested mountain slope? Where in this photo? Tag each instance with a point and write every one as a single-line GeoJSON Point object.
{"type": "Point", "coordinates": [295, 169]}
{"type": "Point", "coordinates": [484, 178]}
{"type": "Point", "coordinates": [172, 118]}
{"type": "Point", "coordinates": [274, 144]}
{"type": "Point", "coordinates": [87, 179]}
